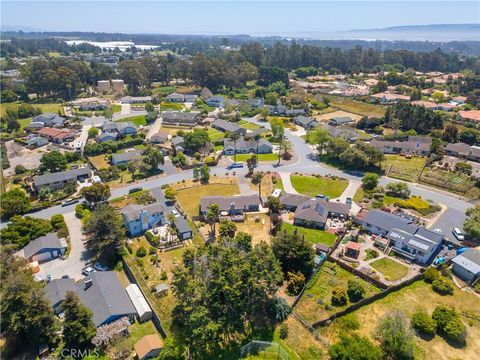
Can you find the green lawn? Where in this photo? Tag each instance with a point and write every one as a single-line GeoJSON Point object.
{"type": "Point", "coordinates": [358, 195]}
{"type": "Point", "coordinates": [247, 125]}
{"type": "Point", "coordinates": [313, 236]}
{"type": "Point", "coordinates": [138, 120]}
{"type": "Point", "coordinates": [166, 105]}
{"type": "Point", "coordinates": [261, 157]}
{"type": "Point", "coordinates": [137, 331]}
{"type": "Point", "coordinates": [45, 108]}
{"type": "Point", "coordinates": [315, 303]}
{"type": "Point", "coordinates": [116, 108]}
{"type": "Point", "coordinates": [391, 269]}
{"type": "Point", "coordinates": [214, 134]}
{"type": "Point", "coordinates": [403, 168]}
{"type": "Point", "coordinates": [311, 185]}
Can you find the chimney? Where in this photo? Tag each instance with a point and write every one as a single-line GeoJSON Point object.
{"type": "Point", "coordinates": [88, 283]}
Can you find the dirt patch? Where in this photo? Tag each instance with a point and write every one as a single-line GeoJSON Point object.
{"type": "Point", "coordinates": [338, 113]}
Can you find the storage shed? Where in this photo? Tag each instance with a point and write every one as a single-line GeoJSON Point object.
{"type": "Point", "coordinates": [142, 308]}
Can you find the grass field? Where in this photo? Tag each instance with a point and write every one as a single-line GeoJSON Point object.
{"type": "Point", "coordinates": [46, 108]}
{"type": "Point", "coordinates": [165, 105]}
{"type": "Point", "coordinates": [99, 162]}
{"type": "Point", "coordinates": [420, 296]}
{"type": "Point", "coordinates": [247, 125]}
{"type": "Point", "coordinates": [261, 157]}
{"type": "Point", "coordinates": [138, 120]}
{"type": "Point", "coordinates": [356, 107]}
{"type": "Point", "coordinates": [313, 236]}
{"type": "Point", "coordinates": [391, 269]}
{"type": "Point", "coordinates": [315, 303]}
{"type": "Point", "coordinates": [358, 195]}
{"type": "Point", "coordinates": [116, 108]}
{"type": "Point", "coordinates": [311, 185]}
{"type": "Point", "coordinates": [257, 225]}
{"type": "Point", "coordinates": [402, 168]}
{"type": "Point", "coordinates": [214, 134]}
{"type": "Point", "coordinates": [189, 198]}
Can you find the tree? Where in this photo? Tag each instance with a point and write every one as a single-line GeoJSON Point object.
{"type": "Point", "coordinates": [472, 224]}
{"type": "Point", "coordinates": [339, 296]}
{"type": "Point", "coordinates": [319, 136]}
{"type": "Point", "coordinates": [251, 164]}
{"type": "Point", "coordinates": [398, 189]}
{"type": "Point", "coordinates": [78, 326]}
{"type": "Point", "coordinates": [234, 137]}
{"type": "Point", "coordinates": [295, 283]}
{"type": "Point", "coordinates": [450, 324]}
{"type": "Point", "coordinates": [227, 229]}
{"type": "Point", "coordinates": [212, 216]}
{"type": "Point", "coordinates": [257, 179]}
{"type": "Point", "coordinates": [395, 336]}
{"type": "Point", "coordinates": [243, 241]}
{"type": "Point", "coordinates": [132, 167]}
{"type": "Point", "coordinates": [153, 157]}
{"type": "Point", "coordinates": [196, 139]}
{"type": "Point", "coordinates": [369, 181]}
{"type": "Point", "coordinates": [278, 128]}
{"type": "Point", "coordinates": [355, 291]}
{"type": "Point", "coordinates": [216, 301]}
{"type": "Point", "coordinates": [463, 167]}
{"type": "Point", "coordinates": [204, 174]}
{"type": "Point", "coordinates": [264, 114]}
{"type": "Point", "coordinates": [134, 74]}
{"type": "Point", "coordinates": [96, 193]}
{"type": "Point", "coordinates": [273, 204]}
{"type": "Point", "coordinates": [104, 234]}
{"type": "Point", "coordinates": [53, 161]}
{"type": "Point", "coordinates": [354, 158]}
{"type": "Point", "coordinates": [294, 253]}
{"type": "Point", "coordinates": [170, 194]}
{"type": "Point", "coordinates": [423, 323]}
{"type": "Point", "coordinates": [450, 133]}
{"type": "Point", "coordinates": [21, 230]}
{"type": "Point", "coordinates": [354, 347]}
{"type": "Point", "coordinates": [93, 132]}
{"type": "Point", "coordinates": [196, 173]}
{"type": "Point", "coordinates": [14, 202]}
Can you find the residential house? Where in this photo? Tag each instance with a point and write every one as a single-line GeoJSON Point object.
{"type": "Point", "coordinates": [56, 136]}
{"type": "Point", "coordinates": [426, 104]}
{"type": "Point", "coordinates": [295, 112]}
{"type": "Point", "coordinates": [189, 98]}
{"type": "Point", "coordinates": [467, 265]}
{"type": "Point", "coordinates": [34, 126]}
{"type": "Point", "coordinates": [259, 131]}
{"type": "Point", "coordinates": [215, 101]}
{"type": "Point", "coordinates": [180, 118]}
{"type": "Point", "coordinates": [121, 128]}
{"type": "Point", "coordinates": [305, 122]}
{"type": "Point", "coordinates": [44, 248]}
{"type": "Point", "coordinates": [175, 97]}
{"type": "Point", "coordinates": [58, 180]}
{"type": "Point", "coordinates": [159, 138]}
{"type": "Point", "coordinates": [101, 292]}
{"type": "Point", "coordinates": [388, 98]}
{"type": "Point", "coordinates": [243, 146]}
{"type": "Point", "coordinates": [414, 146]}
{"type": "Point", "coordinates": [140, 218]}
{"type": "Point", "coordinates": [183, 229]}
{"type": "Point", "coordinates": [49, 120]}
{"type": "Point", "coordinates": [380, 222]}
{"type": "Point", "coordinates": [126, 157]}
{"type": "Point", "coordinates": [228, 126]}
{"type": "Point", "coordinates": [107, 136]}
{"type": "Point", "coordinates": [463, 151]}
{"type": "Point", "coordinates": [178, 144]}
{"type": "Point", "coordinates": [313, 213]}
{"type": "Point", "coordinates": [469, 115]}
{"type": "Point", "coordinates": [148, 347]}
{"type": "Point", "coordinates": [459, 100]}
{"type": "Point", "coordinates": [118, 85]}
{"type": "Point", "coordinates": [341, 120]}
{"type": "Point", "coordinates": [292, 201]}
{"type": "Point", "coordinates": [36, 142]}
{"type": "Point", "coordinates": [233, 207]}
{"type": "Point", "coordinates": [255, 103]}
{"type": "Point", "coordinates": [136, 99]}
{"type": "Point", "coordinates": [278, 110]}
{"type": "Point", "coordinates": [446, 106]}
{"type": "Point", "coordinates": [91, 103]}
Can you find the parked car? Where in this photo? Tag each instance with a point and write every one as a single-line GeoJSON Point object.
{"type": "Point", "coordinates": [70, 202]}
{"type": "Point", "coordinates": [100, 267]}
{"type": "Point", "coordinates": [175, 213]}
{"type": "Point", "coordinates": [459, 235]}
{"type": "Point", "coordinates": [134, 190]}
{"type": "Point", "coordinates": [235, 166]}
{"type": "Point", "coordinates": [348, 201]}
{"type": "Point", "coordinates": [65, 277]}
{"type": "Point", "coordinates": [88, 270]}
{"type": "Point", "coordinates": [321, 196]}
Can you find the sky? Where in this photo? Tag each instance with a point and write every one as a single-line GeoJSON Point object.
{"type": "Point", "coordinates": [232, 17]}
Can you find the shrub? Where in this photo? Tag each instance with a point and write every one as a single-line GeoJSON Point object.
{"type": "Point", "coordinates": [283, 331]}
{"type": "Point", "coordinates": [449, 324]}
{"type": "Point", "coordinates": [163, 275]}
{"type": "Point", "coordinates": [355, 291]}
{"type": "Point", "coordinates": [57, 221]}
{"type": "Point", "coordinates": [442, 287]}
{"type": "Point", "coordinates": [63, 232]}
{"type": "Point", "coordinates": [423, 323]}
{"type": "Point", "coordinates": [278, 309]}
{"type": "Point", "coordinates": [339, 296]}
{"type": "Point", "coordinates": [354, 347]}
{"type": "Point", "coordinates": [20, 169]}
{"type": "Point", "coordinates": [295, 282]}
{"type": "Point", "coordinates": [430, 275]}
{"type": "Point", "coordinates": [348, 322]}
{"type": "Point", "coordinates": [152, 239]}
{"type": "Point", "coordinates": [152, 251]}
{"type": "Point", "coordinates": [371, 254]}
{"type": "Point", "coordinates": [141, 252]}
{"type": "Point", "coordinates": [129, 248]}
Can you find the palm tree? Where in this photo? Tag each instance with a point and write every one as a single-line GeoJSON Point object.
{"type": "Point", "coordinates": [234, 137]}
{"type": "Point", "coordinates": [257, 138]}
{"type": "Point", "coordinates": [132, 167]}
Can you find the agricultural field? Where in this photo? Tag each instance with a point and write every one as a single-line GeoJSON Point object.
{"type": "Point", "coordinates": [313, 236]}
{"type": "Point", "coordinates": [311, 185]}
{"type": "Point", "coordinates": [315, 303]}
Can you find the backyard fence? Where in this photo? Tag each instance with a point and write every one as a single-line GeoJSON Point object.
{"type": "Point", "coordinates": [264, 350]}
{"type": "Point", "coordinates": [358, 273]}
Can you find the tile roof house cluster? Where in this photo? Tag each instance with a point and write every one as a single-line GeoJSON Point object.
{"type": "Point", "coordinates": [464, 151]}
{"type": "Point", "coordinates": [415, 145]}
{"type": "Point", "coordinates": [406, 238]}
{"type": "Point", "coordinates": [48, 120]}
{"type": "Point", "coordinates": [140, 218]}
{"type": "Point", "coordinates": [305, 122]}
{"type": "Point", "coordinates": [388, 98]}
{"type": "Point", "coordinates": [44, 248]}
{"type": "Point", "coordinates": [180, 118]}
{"type": "Point", "coordinates": [228, 126]}
{"type": "Point", "coordinates": [246, 146]}
{"type": "Point", "coordinates": [121, 127]}
{"type": "Point", "coordinates": [467, 265]}
{"type": "Point", "coordinates": [60, 179]}
{"type": "Point", "coordinates": [471, 115]}
{"type": "Point", "coordinates": [313, 212]}
{"type": "Point", "coordinates": [57, 136]}
{"type": "Point", "coordinates": [176, 97]}
{"type": "Point", "coordinates": [126, 157]}
{"type": "Point", "coordinates": [101, 292]}
{"type": "Point", "coordinates": [232, 207]}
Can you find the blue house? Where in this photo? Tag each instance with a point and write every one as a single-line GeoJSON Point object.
{"type": "Point", "coordinates": [215, 101]}
{"type": "Point", "coordinates": [140, 218]}
{"type": "Point", "coordinates": [107, 136]}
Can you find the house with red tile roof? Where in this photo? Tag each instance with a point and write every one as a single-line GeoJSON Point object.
{"type": "Point", "coordinates": [57, 136]}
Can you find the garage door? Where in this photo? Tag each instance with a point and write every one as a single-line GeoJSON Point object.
{"type": "Point", "coordinates": [42, 257]}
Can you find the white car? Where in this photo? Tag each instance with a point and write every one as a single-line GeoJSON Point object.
{"type": "Point", "coordinates": [438, 231]}
{"type": "Point", "coordinates": [458, 234]}
{"type": "Point", "coordinates": [175, 213]}
{"type": "Point", "coordinates": [88, 270]}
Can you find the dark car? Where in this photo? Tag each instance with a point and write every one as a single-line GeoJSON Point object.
{"type": "Point", "coordinates": [134, 190]}
{"type": "Point", "coordinates": [235, 166]}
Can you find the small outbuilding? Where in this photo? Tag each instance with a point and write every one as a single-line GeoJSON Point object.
{"type": "Point", "coordinates": [467, 265]}
{"type": "Point", "coordinates": [148, 347]}
{"type": "Point", "coordinates": [141, 306]}
{"type": "Point", "coordinates": [161, 289]}
{"type": "Point", "coordinates": [352, 249]}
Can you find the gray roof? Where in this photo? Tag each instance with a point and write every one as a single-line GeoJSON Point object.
{"type": "Point", "coordinates": [161, 287]}
{"type": "Point", "coordinates": [124, 125]}
{"type": "Point", "coordinates": [242, 144]}
{"type": "Point", "coordinates": [469, 260]}
{"type": "Point", "coordinates": [61, 176]}
{"type": "Point", "coordinates": [182, 225]}
{"type": "Point", "coordinates": [225, 202]}
{"type": "Point", "coordinates": [175, 96]}
{"type": "Point", "coordinates": [421, 239]}
{"type": "Point", "coordinates": [180, 117]}
{"type": "Point", "coordinates": [159, 137]}
{"type": "Point", "coordinates": [303, 120]}
{"type": "Point", "coordinates": [106, 135]}
{"type": "Point", "coordinates": [49, 119]}
{"type": "Point", "coordinates": [49, 241]}
{"type": "Point", "coordinates": [337, 207]}
{"type": "Point", "coordinates": [293, 112]}
{"type": "Point", "coordinates": [312, 210]}
{"type": "Point", "coordinates": [36, 140]}
{"type": "Point", "coordinates": [132, 211]}
{"type": "Point", "coordinates": [226, 125]}
{"type": "Point", "coordinates": [259, 131]}
{"type": "Point", "coordinates": [386, 221]}
{"type": "Point", "coordinates": [403, 145]}
{"type": "Point", "coordinates": [293, 200]}
{"type": "Point", "coordinates": [126, 156]}
{"type": "Point", "coordinates": [178, 140]}
{"type": "Point", "coordinates": [106, 297]}
{"type": "Point", "coordinates": [340, 120]}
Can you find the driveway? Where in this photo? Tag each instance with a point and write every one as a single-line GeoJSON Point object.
{"type": "Point", "coordinates": [154, 128]}
{"type": "Point", "coordinates": [287, 184]}
{"type": "Point", "coordinates": [77, 259]}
